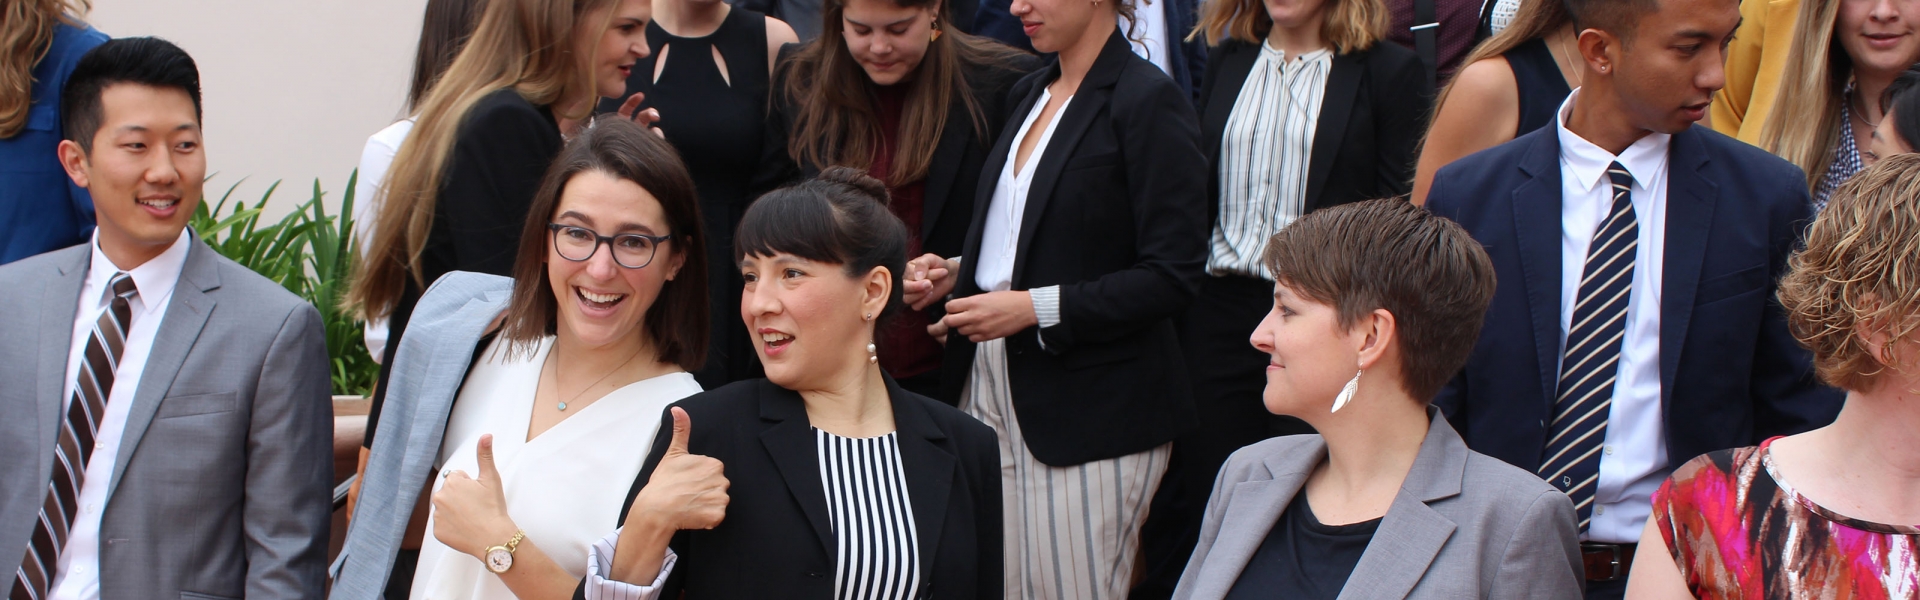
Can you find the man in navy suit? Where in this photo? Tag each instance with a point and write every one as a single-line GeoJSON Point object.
{"type": "Point", "coordinates": [1635, 324]}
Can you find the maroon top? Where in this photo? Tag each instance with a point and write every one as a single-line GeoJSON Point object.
{"type": "Point", "coordinates": [905, 348]}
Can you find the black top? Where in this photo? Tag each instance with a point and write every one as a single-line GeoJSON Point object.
{"type": "Point", "coordinates": [500, 153]}
{"type": "Point", "coordinates": [1366, 138]}
{"type": "Point", "coordinates": [778, 539]}
{"type": "Point", "coordinates": [1302, 557]}
{"type": "Point", "coordinates": [1116, 217]}
{"type": "Point", "coordinates": [717, 124]}
{"type": "Point", "coordinates": [1542, 88]}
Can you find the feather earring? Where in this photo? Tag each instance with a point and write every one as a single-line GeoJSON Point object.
{"type": "Point", "coordinates": [1346, 393]}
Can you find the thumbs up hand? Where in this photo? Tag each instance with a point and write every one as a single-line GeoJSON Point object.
{"type": "Point", "coordinates": [686, 491]}
{"type": "Point", "coordinates": [470, 512]}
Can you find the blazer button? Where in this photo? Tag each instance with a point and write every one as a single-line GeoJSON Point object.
{"type": "Point", "coordinates": [814, 574]}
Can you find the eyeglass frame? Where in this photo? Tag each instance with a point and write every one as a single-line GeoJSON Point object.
{"type": "Point", "coordinates": [553, 232]}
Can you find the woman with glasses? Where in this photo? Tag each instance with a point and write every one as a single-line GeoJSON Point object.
{"type": "Point", "coordinates": [530, 401]}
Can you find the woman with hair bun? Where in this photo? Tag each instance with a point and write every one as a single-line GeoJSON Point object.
{"type": "Point", "coordinates": [837, 483]}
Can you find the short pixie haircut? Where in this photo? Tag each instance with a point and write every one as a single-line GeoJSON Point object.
{"type": "Point", "coordinates": [676, 324]}
{"type": "Point", "coordinates": [839, 217]}
{"type": "Point", "coordinates": [1861, 264]}
{"type": "Point", "coordinates": [1389, 254]}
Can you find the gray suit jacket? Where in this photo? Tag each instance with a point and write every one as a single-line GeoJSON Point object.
{"type": "Point", "coordinates": [431, 363]}
{"type": "Point", "coordinates": [222, 486]}
{"type": "Point", "coordinates": [1463, 525]}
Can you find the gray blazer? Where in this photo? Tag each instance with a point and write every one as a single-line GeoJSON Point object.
{"type": "Point", "coordinates": [223, 484]}
{"type": "Point", "coordinates": [428, 368]}
{"type": "Point", "coordinates": [1463, 525]}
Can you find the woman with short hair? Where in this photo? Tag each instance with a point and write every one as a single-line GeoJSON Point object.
{"type": "Point", "coordinates": [1386, 501]}
{"type": "Point", "coordinates": [825, 479]}
{"type": "Point", "coordinates": [1830, 513]}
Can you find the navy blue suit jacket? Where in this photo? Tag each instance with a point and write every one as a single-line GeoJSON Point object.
{"type": "Point", "coordinates": [1186, 59]}
{"type": "Point", "coordinates": [1730, 373]}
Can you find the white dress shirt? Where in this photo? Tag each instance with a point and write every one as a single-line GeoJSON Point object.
{"type": "Point", "coordinates": [1151, 15]}
{"type": "Point", "coordinates": [1266, 151]}
{"type": "Point", "coordinates": [1633, 460]}
{"type": "Point", "coordinates": [1000, 242]}
{"type": "Point", "coordinates": [79, 566]}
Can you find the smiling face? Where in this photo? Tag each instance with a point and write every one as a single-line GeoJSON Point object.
{"type": "Point", "coordinates": [888, 40]}
{"type": "Point", "coordinates": [620, 46]}
{"type": "Point", "coordinates": [1878, 34]}
{"type": "Point", "coordinates": [602, 304]}
{"type": "Point", "coordinates": [1310, 356]}
{"type": "Point", "coordinates": [1671, 64]}
{"type": "Point", "coordinates": [144, 172]}
{"type": "Point", "coordinates": [1053, 24]}
{"type": "Point", "coordinates": [808, 319]}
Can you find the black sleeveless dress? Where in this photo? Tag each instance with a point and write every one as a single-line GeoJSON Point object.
{"type": "Point", "coordinates": [717, 123]}
{"type": "Point", "coordinates": [1542, 88]}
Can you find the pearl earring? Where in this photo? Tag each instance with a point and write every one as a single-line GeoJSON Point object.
{"type": "Point", "coordinates": [873, 355]}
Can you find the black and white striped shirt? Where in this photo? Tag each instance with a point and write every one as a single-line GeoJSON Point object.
{"type": "Point", "coordinates": [878, 554]}
{"type": "Point", "coordinates": [1265, 151]}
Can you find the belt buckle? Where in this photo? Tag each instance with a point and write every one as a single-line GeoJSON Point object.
{"type": "Point", "coordinates": [1619, 570]}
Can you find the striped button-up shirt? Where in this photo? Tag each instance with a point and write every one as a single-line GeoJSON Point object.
{"type": "Point", "coordinates": [1264, 154]}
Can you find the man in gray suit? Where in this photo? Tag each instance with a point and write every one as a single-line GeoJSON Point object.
{"type": "Point", "coordinates": [164, 412]}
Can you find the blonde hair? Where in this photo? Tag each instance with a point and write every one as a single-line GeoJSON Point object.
{"type": "Point", "coordinates": [1860, 269]}
{"type": "Point", "coordinates": [26, 34]}
{"type": "Point", "coordinates": [1536, 19]}
{"type": "Point", "coordinates": [1805, 123]}
{"type": "Point", "coordinates": [1349, 25]}
{"type": "Point", "coordinates": [524, 45]}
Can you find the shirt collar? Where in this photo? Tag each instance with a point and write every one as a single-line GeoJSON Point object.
{"type": "Point", "coordinates": [1280, 56]}
{"type": "Point", "coordinates": [153, 279]}
{"type": "Point", "coordinates": [1645, 159]}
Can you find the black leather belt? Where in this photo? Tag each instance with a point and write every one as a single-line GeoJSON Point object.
{"type": "Point", "coordinates": [1607, 562]}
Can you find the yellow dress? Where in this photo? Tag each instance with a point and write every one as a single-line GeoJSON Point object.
{"type": "Point", "coordinates": [1755, 61]}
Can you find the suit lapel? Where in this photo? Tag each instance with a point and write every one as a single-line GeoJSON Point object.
{"type": "Point", "coordinates": [1412, 533]}
{"type": "Point", "coordinates": [929, 470]}
{"type": "Point", "coordinates": [990, 174]}
{"type": "Point", "coordinates": [947, 155]}
{"type": "Point", "coordinates": [1536, 224]}
{"type": "Point", "coordinates": [1336, 107]}
{"type": "Point", "coordinates": [186, 316]}
{"type": "Point", "coordinates": [1253, 508]}
{"type": "Point", "coordinates": [59, 306]}
{"type": "Point", "coordinates": [789, 441]}
{"type": "Point", "coordinates": [1691, 199]}
{"type": "Point", "coordinates": [1073, 123]}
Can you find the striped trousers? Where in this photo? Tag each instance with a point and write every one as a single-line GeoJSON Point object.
{"type": "Point", "coordinates": [1072, 533]}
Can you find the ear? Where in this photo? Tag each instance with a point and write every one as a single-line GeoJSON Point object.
{"type": "Point", "coordinates": [74, 160]}
{"type": "Point", "coordinates": [1374, 333]}
{"type": "Point", "coordinates": [1871, 333]}
{"type": "Point", "coordinates": [876, 289]}
{"type": "Point", "coordinates": [679, 259]}
{"type": "Point", "coordinates": [1596, 50]}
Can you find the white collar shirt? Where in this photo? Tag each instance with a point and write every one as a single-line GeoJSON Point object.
{"type": "Point", "coordinates": [1633, 459]}
{"type": "Point", "coordinates": [78, 577]}
{"type": "Point", "coordinates": [1007, 208]}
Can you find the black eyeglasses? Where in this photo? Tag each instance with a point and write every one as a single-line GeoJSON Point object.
{"type": "Point", "coordinates": [630, 250]}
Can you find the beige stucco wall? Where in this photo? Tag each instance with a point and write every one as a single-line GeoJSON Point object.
{"type": "Point", "coordinates": [291, 89]}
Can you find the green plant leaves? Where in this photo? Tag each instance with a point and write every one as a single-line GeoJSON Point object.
{"type": "Point", "coordinates": [309, 252]}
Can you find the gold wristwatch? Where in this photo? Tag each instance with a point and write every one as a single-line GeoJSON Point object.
{"type": "Point", "coordinates": [500, 558]}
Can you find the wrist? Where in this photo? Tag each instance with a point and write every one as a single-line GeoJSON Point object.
{"type": "Point", "coordinates": [497, 533]}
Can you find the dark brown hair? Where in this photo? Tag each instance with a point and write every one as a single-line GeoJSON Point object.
{"type": "Point", "coordinates": [836, 121]}
{"type": "Point", "coordinates": [676, 324]}
{"type": "Point", "coordinates": [1389, 254]}
{"type": "Point", "coordinates": [839, 218]}
{"type": "Point", "coordinates": [443, 31]}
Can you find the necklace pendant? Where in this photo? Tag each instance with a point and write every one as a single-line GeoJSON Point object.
{"type": "Point", "coordinates": [563, 406]}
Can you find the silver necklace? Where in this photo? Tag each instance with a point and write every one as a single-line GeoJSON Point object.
{"type": "Point", "coordinates": [562, 405]}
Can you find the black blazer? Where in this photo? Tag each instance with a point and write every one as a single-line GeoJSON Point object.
{"type": "Point", "coordinates": [1371, 119]}
{"type": "Point", "coordinates": [1115, 217]}
{"type": "Point", "coordinates": [776, 541]}
{"type": "Point", "coordinates": [1730, 373]}
{"type": "Point", "coordinates": [954, 176]}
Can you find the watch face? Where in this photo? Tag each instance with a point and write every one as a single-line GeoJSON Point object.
{"type": "Point", "coordinates": [499, 560]}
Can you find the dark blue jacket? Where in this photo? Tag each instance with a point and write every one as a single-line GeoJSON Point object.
{"type": "Point", "coordinates": [40, 208]}
{"type": "Point", "coordinates": [1730, 373]}
{"type": "Point", "coordinates": [1186, 59]}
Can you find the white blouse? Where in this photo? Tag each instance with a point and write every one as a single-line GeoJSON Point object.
{"type": "Point", "coordinates": [565, 488]}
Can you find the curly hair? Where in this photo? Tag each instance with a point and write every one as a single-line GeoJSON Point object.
{"type": "Point", "coordinates": [1860, 271]}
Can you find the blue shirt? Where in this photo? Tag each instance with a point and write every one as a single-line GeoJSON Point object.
{"type": "Point", "coordinates": [40, 207]}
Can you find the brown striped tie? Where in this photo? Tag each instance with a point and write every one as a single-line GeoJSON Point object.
{"type": "Point", "coordinates": [89, 406]}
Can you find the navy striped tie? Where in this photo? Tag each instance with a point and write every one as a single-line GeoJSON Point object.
{"type": "Point", "coordinates": [1592, 360]}
{"type": "Point", "coordinates": [78, 434]}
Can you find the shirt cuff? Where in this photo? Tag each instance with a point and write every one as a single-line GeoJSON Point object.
{"type": "Point", "coordinates": [1046, 308]}
{"type": "Point", "coordinates": [600, 563]}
